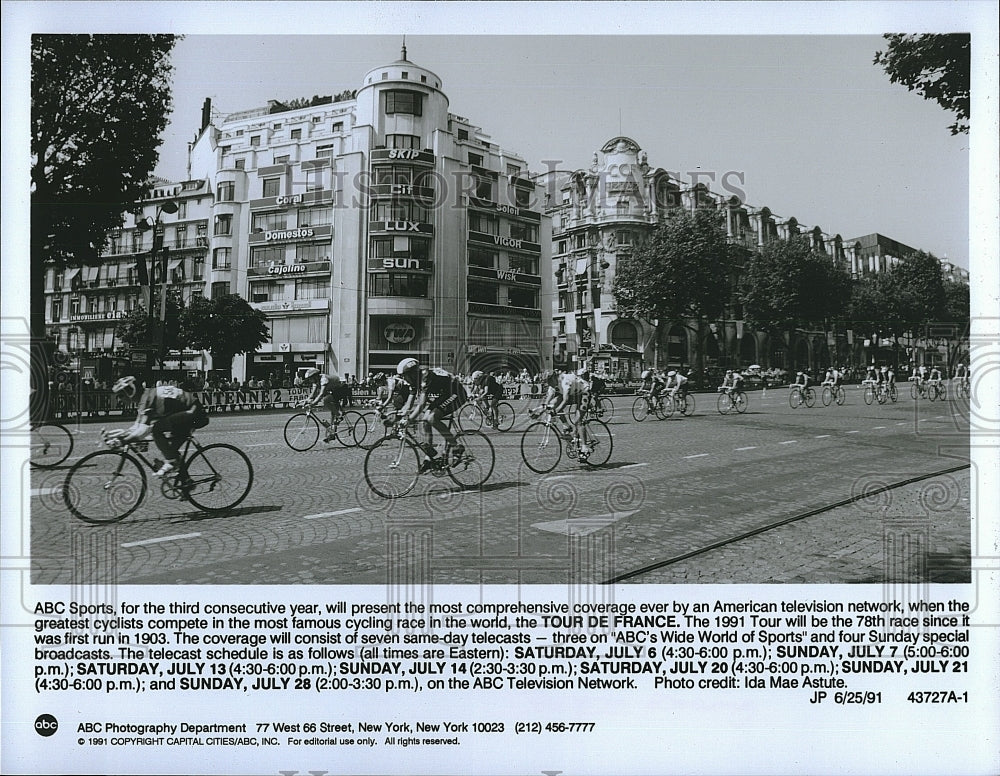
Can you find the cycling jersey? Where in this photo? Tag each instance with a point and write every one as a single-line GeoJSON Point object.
{"type": "Point", "coordinates": [446, 388]}
{"type": "Point", "coordinates": [165, 400]}
{"type": "Point", "coordinates": [677, 381]}
{"type": "Point", "coordinates": [491, 386]}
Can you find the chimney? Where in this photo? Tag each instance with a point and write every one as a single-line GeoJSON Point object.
{"type": "Point", "coordinates": [206, 112]}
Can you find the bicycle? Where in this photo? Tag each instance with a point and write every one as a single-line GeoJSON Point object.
{"type": "Point", "coordinates": [51, 444]}
{"type": "Point", "coordinates": [476, 413]}
{"type": "Point", "coordinates": [963, 388]}
{"type": "Point", "coordinates": [919, 389]}
{"type": "Point", "coordinates": [302, 429]}
{"type": "Point", "coordinates": [834, 393]}
{"type": "Point", "coordinates": [598, 408]}
{"type": "Point", "coordinates": [644, 406]}
{"type": "Point", "coordinates": [393, 464]}
{"type": "Point", "coordinates": [542, 442]}
{"type": "Point", "coordinates": [212, 478]}
{"type": "Point", "coordinates": [937, 390]}
{"type": "Point", "coordinates": [732, 401]}
{"type": "Point", "coordinates": [682, 402]}
{"type": "Point", "coordinates": [800, 395]}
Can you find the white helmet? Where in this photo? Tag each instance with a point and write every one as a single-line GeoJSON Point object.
{"type": "Point", "coordinates": [475, 375]}
{"type": "Point", "coordinates": [126, 384]}
{"type": "Point", "coordinates": [646, 374]}
{"type": "Point", "coordinates": [406, 365]}
{"type": "Point", "coordinates": [672, 373]}
{"type": "Point", "coordinates": [311, 372]}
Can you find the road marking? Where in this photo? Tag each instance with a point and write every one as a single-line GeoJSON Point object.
{"type": "Point", "coordinates": [581, 526]}
{"type": "Point", "coordinates": [903, 423]}
{"type": "Point", "coordinates": [696, 455]}
{"type": "Point", "coordinates": [332, 514]}
{"type": "Point", "coordinates": [560, 477]}
{"type": "Point", "coordinates": [821, 436]}
{"type": "Point", "coordinates": [740, 449]}
{"type": "Point", "coordinates": [876, 428]}
{"type": "Point", "coordinates": [634, 465]}
{"type": "Point", "coordinates": [262, 444]}
{"type": "Point", "coordinates": [789, 442]}
{"type": "Point", "coordinates": [161, 539]}
{"type": "Point", "coordinates": [853, 432]}
{"type": "Point", "coordinates": [44, 491]}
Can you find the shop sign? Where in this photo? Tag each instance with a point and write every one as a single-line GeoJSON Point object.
{"type": "Point", "coordinates": [291, 306]}
{"type": "Point", "coordinates": [399, 333]}
{"type": "Point", "coordinates": [109, 315]}
{"type": "Point", "coordinates": [271, 268]}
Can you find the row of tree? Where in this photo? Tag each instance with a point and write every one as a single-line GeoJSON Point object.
{"type": "Point", "coordinates": [225, 326]}
{"type": "Point", "coordinates": [688, 272]}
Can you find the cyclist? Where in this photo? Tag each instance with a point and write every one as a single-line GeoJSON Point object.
{"type": "Point", "coordinates": [934, 378]}
{"type": "Point", "coordinates": [562, 391]}
{"type": "Point", "coordinates": [832, 378]}
{"type": "Point", "coordinates": [801, 380]}
{"type": "Point", "coordinates": [921, 374]}
{"type": "Point", "coordinates": [487, 388]}
{"type": "Point", "coordinates": [653, 383]}
{"type": "Point", "coordinates": [163, 409]}
{"type": "Point", "coordinates": [434, 395]}
{"type": "Point", "coordinates": [328, 389]}
{"type": "Point", "coordinates": [676, 383]}
{"type": "Point", "coordinates": [961, 375]}
{"type": "Point", "coordinates": [732, 382]}
{"type": "Point", "coordinates": [871, 376]}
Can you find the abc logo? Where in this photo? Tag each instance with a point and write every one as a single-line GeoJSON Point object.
{"type": "Point", "coordinates": [46, 725]}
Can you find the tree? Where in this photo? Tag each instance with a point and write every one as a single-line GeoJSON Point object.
{"type": "Point", "coordinates": [225, 327]}
{"type": "Point", "coordinates": [935, 66]}
{"type": "Point", "coordinates": [138, 328]}
{"type": "Point", "coordinates": [786, 284]}
{"type": "Point", "coordinates": [956, 302]}
{"type": "Point", "coordinates": [99, 104]}
{"type": "Point", "coordinates": [679, 275]}
{"type": "Point", "coordinates": [920, 288]}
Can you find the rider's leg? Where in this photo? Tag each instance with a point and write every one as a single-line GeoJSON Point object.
{"type": "Point", "coordinates": [179, 427]}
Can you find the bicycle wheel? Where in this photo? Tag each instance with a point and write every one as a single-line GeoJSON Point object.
{"type": "Point", "coordinates": [51, 444]}
{"type": "Point", "coordinates": [809, 396]}
{"type": "Point", "coordinates": [841, 396]}
{"type": "Point", "coordinates": [687, 405]}
{"type": "Point", "coordinates": [392, 467]}
{"type": "Point", "coordinates": [724, 403]}
{"type": "Point", "coordinates": [471, 459]}
{"type": "Point", "coordinates": [869, 394]}
{"type": "Point", "coordinates": [598, 435]}
{"type": "Point", "coordinates": [104, 487]}
{"type": "Point", "coordinates": [893, 393]}
{"type": "Point", "coordinates": [664, 407]}
{"type": "Point", "coordinates": [640, 408]}
{"type": "Point", "coordinates": [881, 394]}
{"type": "Point", "coordinates": [541, 447]}
{"type": "Point", "coordinates": [470, 417]}
{"type": "Point", "coordinates": [740, 402]}
{"type": "Point", "coordinates": [827, 396]}
{"type": "Point", "coordinates": [347, 428]}
{"type": "Point", "coordinates": [795, 398]}
{"type": "Point", "coordinates": [301, 431]}
{"type": "Point", "coordinates": [505, 416]}
{"type": "Point", "coordinates": [219, 477]}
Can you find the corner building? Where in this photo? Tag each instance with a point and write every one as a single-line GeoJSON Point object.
{"type": "Point", "coordinates": [376, 225]}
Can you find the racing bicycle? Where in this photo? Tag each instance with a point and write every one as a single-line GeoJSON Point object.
{"type": "Point", "coordinates": [107, 486]}
{"type": "Point", "coordinates": [476, 413]}
{"type": "Point", "coordinates": [800, 395]}
{"type": "Point", "coordinates": [834, 393]}
{"type": "Point", "coordinates": [542, 442]}
{"type": "Point", "coordinates": [730, 400]}
{"type": "Point", "coordinates": [51, 444]}
{"type": "Point", "coordinates": [645, 405]}
{"type": "Point", "coordinates": [302, 429]}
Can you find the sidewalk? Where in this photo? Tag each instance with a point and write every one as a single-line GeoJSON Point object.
{"type": "Point", "coordinates": [917, 533]}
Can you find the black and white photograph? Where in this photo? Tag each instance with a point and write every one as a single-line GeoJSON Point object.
{"type": "Point", "coordinates": [565, 388]}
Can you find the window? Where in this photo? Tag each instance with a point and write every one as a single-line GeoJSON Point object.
{"type": "Point", "coordinates": [92, 305]}
{"type": "Point", "coordinates": [315, 179]}
{"type": "Point", "coordinates": [226, 191]}
{"type": "Point", "coordinates": [222, 258]}
{"type": "Point", "coordinates": [562, 247]}
{"type": "Point", "coordinates": [324, 152]}
{"type": "Point", "coordinates": [314, 252]}
{"type": "Point", "coordinates": [522, 196]}
{"type": "Point", "coordinates": [224, 224]}
{"type": "Point", "coordinates": [272, 187]}
{"type": "Point", "coordinates": [522, 297]}
{"type": "Point", "coordinates": [240, 164]}
{"type": "Point", "coordinates": [220, 289]}
{"type": "Point", "coordinates": [463, 134]}
{"type": "Point", "coordinates": [485, 293]}
{"type": "Point", "coordinates": [239, 133]}
{"type": "Point", "coordinates": [255, 140]}
{"type": "Point", "coordinates": [296, 134]}
{"type": "Point", "coordinates": [266, 222]}
{"type": "Point", "coordinates": [74, 306]}
{"type": "Point", "coordinates": [57, 280]}
{"type": "Point", "coordinates": [481, 258]}
{"type": "Point", "coordinates": [57, 306]}
{"type": "Point", "coordinates": [315, 216]}
{"type": "Point", "coordinates": [182, 210]}
{"type": "Point", "coordinates": [565, 196]}
{"type": "Point", "coordinates": [513, 170]}
{"type": "Point", "coordinates": [528, 232]}
{"type": "Point", "coordinates": [580, 241]}
{"type": "Point", "coordinates": [318, 288]}
{"type": "Point", "coordinates": [268, 291]}
{"type": "Point", "coordinates": [198, 270]}
{"type": "Point", "coordinates": [399, 211]}
{"type": "Point", "coordinates": [283, 159]}
{"type": "Point", "coordinates": [397, 284]}
{"type": "Point", "coordinates": [317, 119]}
{"type": "Point", "coordinates": [338, 126]}
{"type": "Point", "coordinates": [476, 159]}
{"type": "Point", "coordinates": [182, 237]}
{"type": "Point", "coordinates": [225, 149]}
{"type": "Point", "coordinates": [136, 242]}
{"type": "Point", "coordinates": [111, 272]}
{"type": "Point", "coordinates": [299, 328]}
{"type": "Point", "coordinates": [525, 264]}
{"type": "Point", "coordinates": [623, 237]}
{"type": "Point", "coordinates": [623, 207]}
{"type": "Point", "coordinates": [405, 75]}
{"type": "Point", "coordinates": [264, 255]}
{"type": "Point", "coordinates": [484, 187]}
{"type": "Point", "coordinates": [403, 101]}
{"type": "Point", "coordinates": [483, 223]}
{"type": "Point", "coordinates": [399, 247]}
{"type": "Point", "coordinates": [403, 141]}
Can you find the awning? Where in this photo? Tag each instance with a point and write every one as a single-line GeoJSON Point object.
{"type": "Point", "coordinates": [90, 274]}
{"type": "Point", "coordinates": [71, 273]}
{"type": "Point", "coordinates": [112, 271]}
{"type": "Point", "coordinates": [174, 264]}
{"type": "Point", "coordinates": [581, 266]}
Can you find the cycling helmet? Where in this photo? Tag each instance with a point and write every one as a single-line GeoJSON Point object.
{"type": "Point", "coordinates": [475, 375]}
{"type": "Point", "coordinates": [646, 374]}
{"type": "Point", "coordinates": [406, 365]}
{"type": "Point", "coordinates": [311, 372]}
{"type": "Point", "coordinates": [126, 383]}
{"type": "Point", "coordinates": [672, 373]}
{"type": "Point", "coordinates": [729, 371]}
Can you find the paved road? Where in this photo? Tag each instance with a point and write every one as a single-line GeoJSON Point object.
{"type": "Point", "coordinates": [670, 488]}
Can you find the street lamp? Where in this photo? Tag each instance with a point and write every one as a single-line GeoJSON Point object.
{"type": "Point", "coordinates": [157, 329]}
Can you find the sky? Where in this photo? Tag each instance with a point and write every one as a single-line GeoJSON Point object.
{"type": "Point", "coordinates": [806, 125]}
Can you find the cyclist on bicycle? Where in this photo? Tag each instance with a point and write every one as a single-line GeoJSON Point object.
{"type": "Point", "coordinates": [871, 376]}
{"type": "Point", "coordinates": [328, 389]}
{"type": "Point", "coordinates": [163, 409]}
{"type": "Point", "coordinates": [801, 380]}
{"type": "Point", "coordinates": [653, 383]}
{"type": "Point", "coordinates": [487, 388]}
{"type": "Point", "coordinates": [676, 383]}
{"type": "Point", "coordinates": [934, 378]}
{"type": "Point", "coordinates": [832, 377]}
{"type": "Point", "coordinates": [732, 382]}
{"type": "Point", "coordinates": [434, 395]}
{"type": "Point", "coordinates": [562, 391]}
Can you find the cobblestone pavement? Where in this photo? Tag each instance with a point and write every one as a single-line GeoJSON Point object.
{"type": "Point", "coordinates": [671, 487]}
